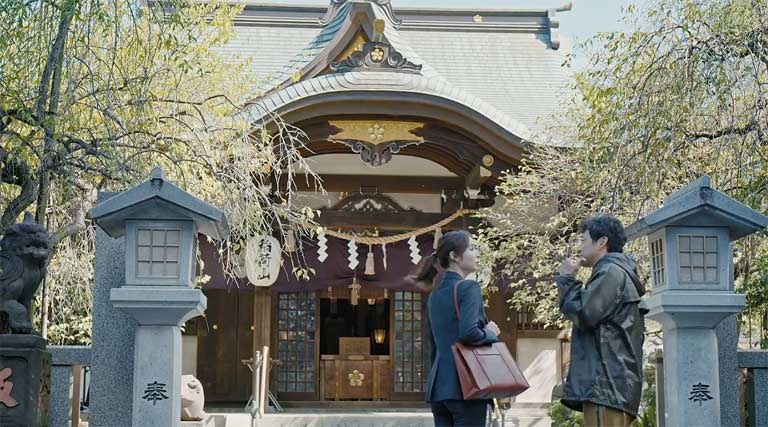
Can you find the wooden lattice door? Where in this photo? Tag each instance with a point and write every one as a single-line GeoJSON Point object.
{"type": "Point", "coordinates": [296, 346]}
{"type": "Point", "coordinates": [409, 347]}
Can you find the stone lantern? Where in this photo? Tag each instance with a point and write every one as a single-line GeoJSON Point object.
{"type": "Point", "coordinates": [692, 275]}
{"type": "Point", "coordinates": [160, 223]}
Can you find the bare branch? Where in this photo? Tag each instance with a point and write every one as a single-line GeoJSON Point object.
{"type": "Point", "coordinates": [18, 173]}
{"type": "Point", "coordinates": [743, 130]}
{"type": "Point", "coordinates": [78, 216]}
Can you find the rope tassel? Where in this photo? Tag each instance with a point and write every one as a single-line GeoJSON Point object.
{"type": "Point", "coordinates": [438, 236]}
{"type": "Point", "coordinates": [370, 266]}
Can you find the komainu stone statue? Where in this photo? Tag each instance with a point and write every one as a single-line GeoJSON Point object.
{"type": "Point", "coordinates": [192, 399]}
{"type": "Point", "coordinates": [23, 260]}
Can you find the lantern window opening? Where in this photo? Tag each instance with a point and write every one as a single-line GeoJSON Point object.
{"type": "Point", "coordinates": [698, 258]}
{"type": "Point", "coordinates": [657, 262]}
{"type": "Point", "coordinates": [158, 252]}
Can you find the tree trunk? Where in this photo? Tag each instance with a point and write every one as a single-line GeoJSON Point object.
{"type": "Point", "coordinates": [51, 81]}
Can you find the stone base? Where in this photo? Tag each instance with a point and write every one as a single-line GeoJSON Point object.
{"type": "Point", "coordinates": [25, 381]}
{"type": "Point", "coordinates": [208, 421]}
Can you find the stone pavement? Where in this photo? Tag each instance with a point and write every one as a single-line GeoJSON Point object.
{"type": "Point", "coordinates": [517, 417]}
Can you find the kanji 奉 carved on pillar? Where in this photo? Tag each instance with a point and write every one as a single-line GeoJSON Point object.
{"type": "Point", "coordinates": [23, 260]}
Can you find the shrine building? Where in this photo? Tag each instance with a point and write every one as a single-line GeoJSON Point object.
{"type": "Point", "coordinates": [412, 117]}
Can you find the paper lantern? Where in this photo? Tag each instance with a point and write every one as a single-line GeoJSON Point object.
{"type": "Point", "coordinates": [262, 260]}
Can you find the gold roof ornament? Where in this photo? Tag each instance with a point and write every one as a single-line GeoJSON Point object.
{"type": "Point", "coordinates": [377, 141]}
{"type": "Point", "coordinates": [377, 132]}
{"type": "Point", "coordinates": [378, 30]}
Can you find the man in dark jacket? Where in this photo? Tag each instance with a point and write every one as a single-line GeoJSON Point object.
{"type": "Point", "coordinates": [605, 377]}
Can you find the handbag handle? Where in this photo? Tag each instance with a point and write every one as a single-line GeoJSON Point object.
{"type": "Point", "coordinates": [456, 299]}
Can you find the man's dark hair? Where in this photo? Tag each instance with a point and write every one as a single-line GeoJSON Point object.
{"type": "Point", "coordinates": [606, 226]}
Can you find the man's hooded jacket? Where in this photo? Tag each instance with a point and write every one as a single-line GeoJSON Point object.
{"type": "Point", "coordinates": [607, 340]}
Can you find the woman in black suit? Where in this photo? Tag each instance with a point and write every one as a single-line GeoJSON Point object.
{"type": "Point", "coordinates": [458, 257]}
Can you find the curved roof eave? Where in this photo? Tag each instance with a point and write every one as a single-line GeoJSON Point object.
{"type": "Point", "coordinates": [262, 111]}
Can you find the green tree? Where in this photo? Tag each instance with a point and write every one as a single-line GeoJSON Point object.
{"type": "Point", "coordinates": [684, 95]}
{"type": "Point", "coordinates": [94, 93]}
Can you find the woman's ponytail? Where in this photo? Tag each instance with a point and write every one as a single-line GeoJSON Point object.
{"type": "Point", "coordinates": [453, 241]}
{"type": "Point", "coordinates": [428, 270]}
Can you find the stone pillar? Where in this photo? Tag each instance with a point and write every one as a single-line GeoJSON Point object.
{"type": "Point", "coordinates": [692, 273]}
{"type": "Point", "coordinates": [159, 312]}
{"type": "Point", "coordinates": [691, 370]}
{"type": "Point", "coordinates": [112, 339]}
{"type": "Point", "coordinates": [62, 387]}
{"type": "Point", "coordinates": [25, 381]}
{"type": "Point", "coordinates": [756, 361]}
{"type": "Point", "coordinates": [727, 346]}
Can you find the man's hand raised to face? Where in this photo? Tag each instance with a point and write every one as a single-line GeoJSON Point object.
{"type": "Point", "coordinates": [570, 266]}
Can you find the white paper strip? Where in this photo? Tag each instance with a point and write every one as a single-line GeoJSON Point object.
{"type": "Point", "coordinates": [384, 250]}
{"type": "Point", "coordinates": [414, 245]}
{"type": "Point", "coordinates": [322, 247]}
{"type": "Point", "coordinates": [353, 261]}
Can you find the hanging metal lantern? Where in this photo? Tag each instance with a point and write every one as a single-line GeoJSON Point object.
{"type": "Point", "coordinates": [379, 335]}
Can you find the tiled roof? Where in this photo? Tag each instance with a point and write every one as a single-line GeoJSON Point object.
{"type": "Point", "coordinates": [508, 59]}
{"type": "Point", "coordinates": [385, 82]}
{"type": "Point", "coordinates": [515, 72]}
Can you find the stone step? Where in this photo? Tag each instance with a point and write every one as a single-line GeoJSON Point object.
{"type": "Point", "coordinates": [346, 419]}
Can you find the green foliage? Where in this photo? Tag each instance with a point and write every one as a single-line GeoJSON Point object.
{"type": "Point", "coordinates": [74, 331]}
{"type": "Point", "coordinates": [683, 96]}
{"type": "Point", "coordinates": [648, 406]}
{"type": "Point", "coordinates": [565, 417]}
{"type": "Point", "coordinates": [93, 94]}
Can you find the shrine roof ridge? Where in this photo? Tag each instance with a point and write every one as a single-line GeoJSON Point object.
{"type": "Point", "coordinates": [467, 19]}
{"type": "Point", "coordinates": [321, 8]}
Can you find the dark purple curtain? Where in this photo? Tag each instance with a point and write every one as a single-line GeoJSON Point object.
{"type": "Point", "coordinates": [335, 271]}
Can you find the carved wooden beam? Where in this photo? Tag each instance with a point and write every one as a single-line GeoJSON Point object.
{"type": "Point", "coordinates": [478, 176]}
{"type": "Point", "coordinates": [379, 183]}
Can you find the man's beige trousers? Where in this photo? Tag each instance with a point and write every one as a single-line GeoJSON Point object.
{"type": "Point", "coordinates": [603, 416]}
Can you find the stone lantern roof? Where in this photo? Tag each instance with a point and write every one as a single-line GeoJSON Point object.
{"type": "Point", "coordinates": [158, 199]}
{"type": "Point", "coordinates": [699, 205]}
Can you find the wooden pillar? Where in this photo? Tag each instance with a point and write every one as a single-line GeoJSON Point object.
{"type": "Point", "coordinates": [262, 318]}
{"type": "Point", "coordinates": [499, 311]}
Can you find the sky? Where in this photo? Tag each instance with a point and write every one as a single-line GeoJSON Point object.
{"type": "Point", "coordinates": [587, 18]}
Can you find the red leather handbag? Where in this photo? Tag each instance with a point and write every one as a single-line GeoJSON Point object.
{"type": "Point", "coordinates": [486, 371]}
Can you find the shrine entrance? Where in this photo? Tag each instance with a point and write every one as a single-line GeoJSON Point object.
{"type": "Point", "coordinates": [364, 319]}
{"type": "Point", "coordinates": [354, 351]}
{"type": "Point", "coordinates": [331, 349]}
